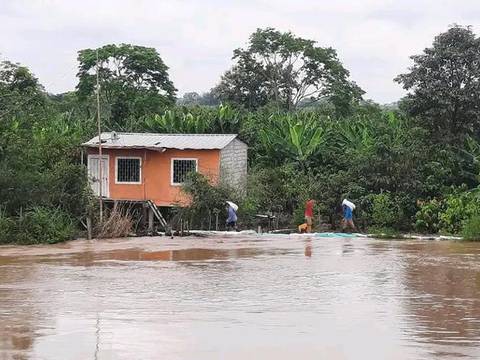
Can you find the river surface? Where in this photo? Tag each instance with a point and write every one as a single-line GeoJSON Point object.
{"type": "Point", "coordinates": [241, 297]}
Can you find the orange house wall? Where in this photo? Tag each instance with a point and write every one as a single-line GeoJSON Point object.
{"type": "Point", "coordinates": [156, 174]}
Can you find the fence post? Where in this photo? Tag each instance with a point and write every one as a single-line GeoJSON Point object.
{"type": "Point", "coordinates": [216, 211]}
{"type": "Point", "coordinates": [89, 228]}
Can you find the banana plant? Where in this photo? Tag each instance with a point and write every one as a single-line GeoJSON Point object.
{"type": "Point", "coordinates": [227, 120]}
{"type": "Point", "coordinates": [356, 134]}
{"type": "Point", "coordinates": [294, 138]}
{"type": "Point", "coordinates": [471, 154]}
{"type": "Point", "coordinates": [198, 121]}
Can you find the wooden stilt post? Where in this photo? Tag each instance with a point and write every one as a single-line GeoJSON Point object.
{"type": "Point", "coordinates": [150, 221]}
{"type": "Point", "coordinates": [143, 223]}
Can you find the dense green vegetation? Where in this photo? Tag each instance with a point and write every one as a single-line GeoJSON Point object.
{"type": "Point", "coordinates": [411, 167]}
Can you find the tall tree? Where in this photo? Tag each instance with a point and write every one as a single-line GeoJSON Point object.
{"type": "Point", "coordinates": [444, 84]}
{"type": "Point", "coordinates": [189, 98]}
{"type": "Point", "coordinates": [19, 89]}
{"type": "Point", "coordinates": [194, 98]}
{"type": "Point", "coordinates": [38, 147]}
{"type": "Point", "coordinates": [285, 69]}
{"type": "Point", "coordinates": [134, 80]}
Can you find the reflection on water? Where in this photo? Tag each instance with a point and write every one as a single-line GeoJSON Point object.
{"type": "Point", "coordinates": [347, 247]}
{"type": "Point", "coordinates": [241, 296]}
{"type": "Point", "coordinates": [308, 248]}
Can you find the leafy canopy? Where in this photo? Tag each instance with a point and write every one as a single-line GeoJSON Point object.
{"type": "Point", "coordinates": [285, 69]}
{"type": "Point", "coordinates": [133, 79]}
{"type": "Point", "coordinates": [19, 90]}
{"type": "Point", "coordinates": [444, 84]}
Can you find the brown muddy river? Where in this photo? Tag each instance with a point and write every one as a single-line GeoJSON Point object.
{"type": "Point", "coordinates": [241, 297]}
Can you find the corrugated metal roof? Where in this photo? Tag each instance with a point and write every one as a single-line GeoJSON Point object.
{"type": "Point", "coordinates": [162, 141]}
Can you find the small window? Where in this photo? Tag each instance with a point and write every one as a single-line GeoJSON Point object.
{"type": "Point", "coordinates": [128, 170]}
{"type": "Point", "coordinates": [180, 169]}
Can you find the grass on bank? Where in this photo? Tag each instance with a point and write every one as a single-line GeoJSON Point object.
{"type": "Point", "coordinates": [36, 226]}
{"type": "Point", "coordinates": [471, 229]}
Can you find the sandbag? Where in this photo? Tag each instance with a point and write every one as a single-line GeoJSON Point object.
{"type": "Point", "coordinates": [233, 205]}
{"type": "Point", "coordinates": [349, 204]}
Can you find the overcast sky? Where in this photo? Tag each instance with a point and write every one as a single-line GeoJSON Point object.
{"type": "Point", "coordinates": [374, 38]}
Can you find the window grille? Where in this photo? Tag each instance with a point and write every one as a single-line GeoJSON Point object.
{"type": "Point", "coordinates": [128, 170]}
{"type": "Point", "coordinates": [181, 168]}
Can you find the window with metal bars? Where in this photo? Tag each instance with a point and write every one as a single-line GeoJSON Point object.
{"type": "Point", "coordinates": [128, 170]}
{"type": "Point", "coordinates": [180, 169]}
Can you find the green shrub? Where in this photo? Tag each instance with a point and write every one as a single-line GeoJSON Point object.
{"type": "Point", "coordinates": [44, 225]}
{"type": "Point", "coordinates": [206, 200]}
{"type": "Point", "coordinates": [246, 212]}
{"type": "Point", "coordinates": [299, 215]}
{"type": "Point", "coordinates": [385, 211]}
{"type": "Point", "coordinates": [459, 207]}
{"type": "Point", "coordinates": [280, 191]}
{"type": "Point", "coordinates": [450, 214]}
{"type": "Point", "coordinates": [471, 229]}
{"type": "Point", "coordinates": [427, 219]}
{"type": "Point", "coordinates": [7, 229]}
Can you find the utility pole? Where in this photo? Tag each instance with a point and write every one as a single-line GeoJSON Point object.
{"type": "Point", "coordinates": [100, 160]}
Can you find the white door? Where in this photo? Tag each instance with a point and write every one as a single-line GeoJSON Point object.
{"type": "Point", "coordinates": [94, 176]}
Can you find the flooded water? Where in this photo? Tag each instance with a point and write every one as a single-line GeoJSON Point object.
{"type": "Point", "coordinates": [241, 297]}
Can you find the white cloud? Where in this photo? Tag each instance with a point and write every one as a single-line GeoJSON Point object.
{"type": "Point", "coordinates": [374, 38]}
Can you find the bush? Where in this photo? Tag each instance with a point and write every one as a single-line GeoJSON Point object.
{"type": "Point", "coordinates": [386, 213]}
{"type": "Point", "coordinates": [206, 200]}
{"type": "Point", "coordinates": [7, 229]}
{"type": "Point", "coordinates": [471, 229]}
{"type": "Point", "coordinates": [281, 191]}
{"type": "Point", "coordinates": [459, 207]}
{"type": "Point", "coordinates": [246, 212]}
{"type": "Point", "coordinates": [299, 215]}
{"type": "Point", "coordinates": [450, 214]}
{"type": "Point", "coordinates": [428, 217]}
{"type": "Point", "coordinates": [43, 225]}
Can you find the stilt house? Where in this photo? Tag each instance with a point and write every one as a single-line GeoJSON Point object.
{"type": "Point", "coordinates": [152, 167]}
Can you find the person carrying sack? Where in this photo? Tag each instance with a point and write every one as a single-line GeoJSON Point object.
{"type": "Point", "coordinates": [232, 216]}
{"type": "Point", "coordinates": [348, 208]}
